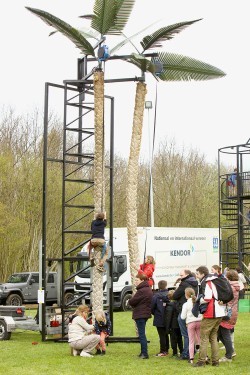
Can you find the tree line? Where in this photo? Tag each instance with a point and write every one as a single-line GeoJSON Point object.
{"type": "Point", "coordinates": [185, 188]}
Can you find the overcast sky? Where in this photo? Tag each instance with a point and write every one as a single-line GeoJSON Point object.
{"type": "Point", "coordinates": [203, 115]}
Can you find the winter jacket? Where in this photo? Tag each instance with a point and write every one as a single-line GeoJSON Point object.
{"type": "Point", "coordinates": [98, 227]}
{"type": "Point", "coordinates": [214, 309]}
{"type": "Point", "coordinates": [186, 313]}
{"type": "Point", "coordinates": [158, 307]}
{"type": "Point", "coordinates": [179, 295]}
{"type": "Point", "coordinates": [78, 329]}
{"type": "Point", "coordinates": [141, 301]}
{"type": "Point", "coordinates": [101, 326]}
{"type": "Point", "coordinates": [148, 270]}
{"type": "Point", "coordinates": [171, 316]}
{"type": "Point", "coordinates": [229, 324]}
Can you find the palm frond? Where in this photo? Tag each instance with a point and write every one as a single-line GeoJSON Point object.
{"type": "Point", "coordinates": [123, 11]}
{"type": "Point", "coordinates": [182, 68]}
{"type": "Point", "coordinates": [87, 16]}
{"type": "Point", "coordinates": [142, 63]}
{"type": "Point", "coordinates": [111, 16]}
{"type": "Point", "coordinates": [156, 39]}
{"type": "Point", "coordinates": [89, 33]}
{"type": "Point", "coordinates": [64, 28]}
{"type": "Point", "coordinates": [104, 15]}
{"type": "Point", "coordinates": [129, 40]}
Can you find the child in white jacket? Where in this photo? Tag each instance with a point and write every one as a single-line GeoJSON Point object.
{"type": "Point", "coordinates": [193, 323]}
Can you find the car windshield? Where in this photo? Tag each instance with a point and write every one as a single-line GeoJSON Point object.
{"type": "Point", "coordinates": [18, 278]}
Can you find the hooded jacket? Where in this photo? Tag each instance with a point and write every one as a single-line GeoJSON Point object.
{"type": "Point", "coordinates": [141, 301]}
{"type": "Point", "coordinates": [214, 309]}
{"type": "Point", "coordinates": [98, 227]}
{"type": "Point", "coordinates": [158, 307]}
{"type": "Point", "coordinates": [148, 270]}
{"type": "Point", "coordinates": [179, 295]}
{"type": "Point", "coordinates": [229, 324]}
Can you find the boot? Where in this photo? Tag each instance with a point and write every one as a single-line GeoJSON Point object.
{"type": "Point", "coordinates": [100, 268]}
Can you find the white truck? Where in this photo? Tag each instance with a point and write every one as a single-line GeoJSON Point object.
{"type": "Point", "coordinates": [172, 248]}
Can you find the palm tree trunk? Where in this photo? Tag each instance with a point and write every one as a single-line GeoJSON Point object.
{"type": "Point", "coordinates": [99, 194]}
{"type": "Point", "coordinates": [132, 180]}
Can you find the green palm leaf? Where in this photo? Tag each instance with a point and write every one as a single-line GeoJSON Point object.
{"type": "Point", "coordinates": [111, 16]}
{"type": "Point", "coordinates": [64, 28]}
{"type": "Point", "coordinates": [183, 68]}
{"type": "Point", "coordinates": [165, 33]}
{"type": "Point", "coordinates": [87, 33]}
{"type": "Point", "coordinates": [142, 63]}
{"type": "Point", "coordinates": [129, 40]}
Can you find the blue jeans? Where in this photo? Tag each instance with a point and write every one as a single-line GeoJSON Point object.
{"type": "Point", "coordinates": [184, 333]}
{"type": "Point", "coordinates": [141, 326]}
{"type": "Point", "coordinates": [224, 335]}
{"type": "Point", "coordinates": [104, 247]}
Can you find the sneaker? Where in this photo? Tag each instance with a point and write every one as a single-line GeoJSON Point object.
{"type": "Point", "coordinates": [163, 354]}
{"type": "Point", "coordinates": [103, 352]}
{"type": "Point", "coordinates": [225, 359]}
{"type": "Point", "coordinates": [144, 356]}
{"type": "Point", "coordinates": [191, 361]}
{"type": "Point", "coordinates": [234, 354]}
{"type": "Point", "coordinates": [207, 361]}
{"type": "Point", "coordinates": [76, 352]}
{"type": "Point", "coordinates": [199, 364]}
{"type": "Point", "coordinates": [98, 352]}
{"type": "Point", "coordinates": [85, 354]}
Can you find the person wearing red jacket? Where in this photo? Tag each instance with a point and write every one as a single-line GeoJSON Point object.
{"type": "Point", "coordinates": [212, 318]}
{"type": "Point", "coordinates": [147, 268]}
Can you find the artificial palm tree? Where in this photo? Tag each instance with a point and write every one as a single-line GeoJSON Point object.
{"type": "Point", "coordinates": [174, 67]}
{"type": "Point", "coordinates": [110, 18]}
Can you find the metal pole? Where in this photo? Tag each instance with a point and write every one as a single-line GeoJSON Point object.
{"type": "Point", "coordinates": [151, 197]}
{"type": "Point", "coordinates": [42, 321]}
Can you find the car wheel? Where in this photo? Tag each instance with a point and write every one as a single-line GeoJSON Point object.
{"type": "Point", "coordinates": [125, 304]}
{"type": "Point", "coordinates": [68, 297]}
{"type": "Point", "coordinates": [4, 335]}
{"type": "Point", "coordinates": [14, 300]}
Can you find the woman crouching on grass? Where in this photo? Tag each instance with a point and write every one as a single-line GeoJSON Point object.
{"type": "Point", "coordinates": [80, 337]}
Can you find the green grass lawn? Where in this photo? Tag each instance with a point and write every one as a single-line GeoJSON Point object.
{"type": "Point", "coordinates": [20, 357]}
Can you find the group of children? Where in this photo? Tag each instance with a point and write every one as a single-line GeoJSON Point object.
{"type": "Point", "coordinates": [165, 320]}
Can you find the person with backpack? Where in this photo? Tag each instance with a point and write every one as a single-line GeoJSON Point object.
{"type": "Point", "coordinates": [158, 307]}
{"type": "Point", "coordinates": [226, 328]}
{"type": "Point", "coordinates": [212, 317]}
{"type": "Point", "coordinates": [187, 281]}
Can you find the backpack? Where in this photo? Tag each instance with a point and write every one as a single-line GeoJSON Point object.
{"type": "Point", "coordinates": [224, 289]}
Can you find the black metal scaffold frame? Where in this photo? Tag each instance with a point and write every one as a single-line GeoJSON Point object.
{"type": "Point", "coordinates": [82, 86]}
